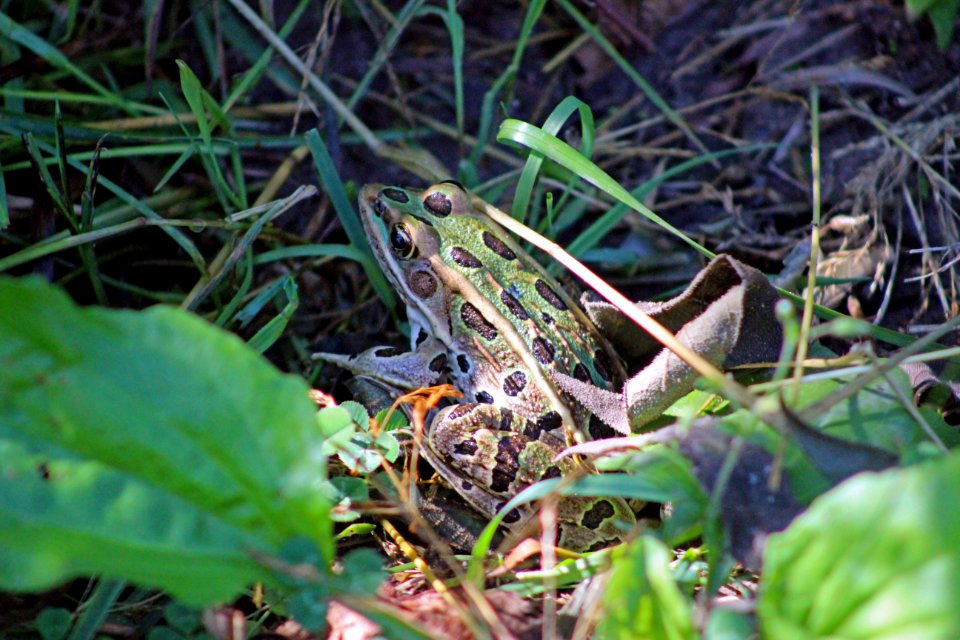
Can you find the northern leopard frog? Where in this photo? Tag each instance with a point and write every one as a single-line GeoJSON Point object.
{"type": "Point", "coordinates": [487, 317]}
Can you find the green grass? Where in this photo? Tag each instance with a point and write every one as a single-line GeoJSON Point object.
{"type": "Point", "coordinates": [210, 162]}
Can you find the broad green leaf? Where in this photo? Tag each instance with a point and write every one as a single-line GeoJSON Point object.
{"type": "Point", "coordinates": [878, 557]}
{"type": "Point", "coordinates": [642, 599]}
{"type": "Point", "coordinates": [167, 399]}
{"type": "Point", "coordinates": [83, 518]}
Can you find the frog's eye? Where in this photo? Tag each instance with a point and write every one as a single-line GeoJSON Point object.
{"type": "Point", "coordinates": [401, 242]}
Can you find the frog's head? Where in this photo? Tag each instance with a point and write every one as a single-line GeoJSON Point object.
{"type": "Point", "coordinates": [406, 228]}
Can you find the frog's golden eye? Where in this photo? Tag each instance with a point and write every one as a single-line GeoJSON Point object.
{"type": "Point", "coordinates": [401, 242]}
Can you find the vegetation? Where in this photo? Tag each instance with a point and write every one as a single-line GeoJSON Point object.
{"type": "Point", "coordinates": [178, 237]}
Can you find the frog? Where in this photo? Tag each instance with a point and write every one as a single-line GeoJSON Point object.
{"type": "Point", "coordinates": [488, 318]}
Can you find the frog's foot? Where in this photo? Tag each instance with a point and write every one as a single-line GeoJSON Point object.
{"type": "Point", "coordinates": [390, 365]}
{"type": "Point", "coordinates": [475, 449]}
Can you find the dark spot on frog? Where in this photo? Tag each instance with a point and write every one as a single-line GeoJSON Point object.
{"type": "Point", "coordinates": [464, 258]}
{"type": "Point", "coordinates": [599, 430]}
{"type": "Point", "coordinates": [438, 204]}
{"type": "Point", "coordinates": [597, 514]}
{"type": "Point", "coordinates": [423, 284]}
{"type": "Point", "coordinates": [514, 305]}
{"type": "Point", "coordinates": [466, 486]}
{"type": "Point", "coordinates": [506, 419]}
{"type": "Point", "coordinates": [496, 245]}
{"type": "Point", "coordinates": [459, 411]}
{"type": "Point", "coordinates": [397, 195]}
{"type": "Point", "coordinates": [511, 517]}
{"type": "Point", "coordinates": [532, 430]}
{"type": "Point", "coordinates": [549, 421]}
{"type": "Point", "coordinates": [466, 447]}
{"type": "Point", "coordinates": [500, 480]}
{"type": "Point", "coordinates": [463, 363]}
{"type": "Point", "coordinates": [580, 373]}
{"type": "Point", "coordinates": [514, 383]}
{"type": "Point", "coordinates": [379, 208]}
{"type": "Point", "coordinates": [387, 352]}
{"type": "Point", "coordinates": [438, 363]}
{"type": "Point", "coordinates": [421, 336]}
{"type": "Point", "coordinates": [600, 544]}
{"type": "Point", "coordinates": [601, 362]}
{"type": "Point", "coordinates": [547, 318]}
{"type": "Point", "coordinates": [549, 295]}
{"type": "Point", "coordinates": [551, 472]}
{"type": "Point", "coordinates": [484, 397]}
{"type": "Point", "coordinates": [543, 351]}
{"type": "Point", "coordinates": [472, 317]}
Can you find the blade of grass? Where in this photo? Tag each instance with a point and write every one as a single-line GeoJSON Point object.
{"type": "Point", "coordinates": [534, 138]}
{"type": "Point", "coordinates": [96, 609]}
{"type": "Point", "coordinates": [12, 29]}
{"type": "Point", "coordinates": [253, 74]}
{"type": "Point", "coordinates": [400, 23]}
{"type": "Point", "coordinates": [632, 73]}
{"type": "Point", "coordinates": [316, 84]}
{"type": "Point", "coordinates": [200, 102]}
{"type": "Point", "coordinates": [348, 217]}
{"type": "Point", "coordinates": [534, 9]}
{"type": "Point", "coordinates": [4, 208]}
{"type": "Point", "coordinates": [552, 125]}
{"type": "Point", "coordinates": [225, 266]}
{"type": "Point", "coordinates": [806, 320]}
{"type": "Point", "coordinates": [454, 23]}
{"type": "Point", "coordinates": [268, 333]}
{"type": "Point", "coordinates": [185, 243]}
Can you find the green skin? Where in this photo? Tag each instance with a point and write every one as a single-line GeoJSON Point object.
{"type": "Point", "coordinates": [488, 318]}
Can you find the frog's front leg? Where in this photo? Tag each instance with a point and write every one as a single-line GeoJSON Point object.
{"type": "Point", "coordinates": [400, 369]}
{"type": "Point", "coordinates": [488, 459]}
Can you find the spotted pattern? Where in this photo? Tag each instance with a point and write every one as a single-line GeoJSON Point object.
{"type": "Point", "coordinates": [397, 195]}
{"type": "Point", "coordinates": [547, 318]}
{"type": "Point", "coordinates": [506, 420]}
{"type": "Point", "coordinates": [597, 514]}
{"type": "Point", "coordinates": [466, 486]}
{"type": "Point", "coordinates": [511, 517]}
{"type": "Point", "coordinates": [484, 397]}
{"type": "Point", "coordinates": [459, 411]}
{"type": "Point", "coordinates": [438, 204]}
{"type": "Point", "coordinates": [463, 363]}
{"type": "Point", "coordinates": [580, 373]}
{"type": "Point", "coordinates": [379, 208]}
{"type": "Point", "coordinates": [508, 452]}
{"type": "Point", "coordinates": [549, 295]}
{"type": "Point", "coordinates": [599, 430]}
{"type": "Point", "coordinates": [550, 420]}
{"type": "Point", "coordinates": [543, 351]}
{"type": "Point", "coordinates": [438, 363]}
{"type": "Point", "coordinates": [421, 336]}
{"type": "Point", "coordinates": [601, 362]}
{"type": "Point", "coordinates": [464, 258]}
{"type": "Point", "coordinates": [552, 472]}
{"type": "Point", "coordinates": [496, 245]}
{"type": "Point", "coordinates": [472, 317]}
{"type": "Point", "coordinates": [514, 305]}
{"type": "Point", "coordinates": [423, 284]}
{"type": "Point", "coordinates": [466, 447]}
{"type": "Point", "coordinates": [387, 352]}
{"type": "Point", "coordinates": [514, 383]}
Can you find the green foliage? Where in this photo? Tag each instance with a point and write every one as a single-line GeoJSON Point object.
{"type": "Point", "coordinates": [642, 599]}
{"type": "Point", "coordinates": [942, 14]}
{"type": "Point", "coordinates": [152, 447]}
{"type": "Point", "coordinates": [878, 557]}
